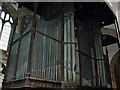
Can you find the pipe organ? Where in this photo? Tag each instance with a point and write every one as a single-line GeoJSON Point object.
{"type": "Point", "coordinates": [53, 53]}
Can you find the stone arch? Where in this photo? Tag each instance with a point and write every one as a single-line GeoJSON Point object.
{"type": "Point", "coordinates": [112, 32]}
{"type": "Point", "coordinates": [109, 31]}
{"type": "Point", "coordinates": [112, 63]}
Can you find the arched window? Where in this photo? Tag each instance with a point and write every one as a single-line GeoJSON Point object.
{"type": "Point", "coordinates": [7, 17]}
{"type": "Point", "coordinates": [5, 29]}
{"type": "Point", "coordinates": [3, 15]}
{"type": "Point", "coordinates": [5, 36]}
{"type": "Point", "coordinates": [0, 25]}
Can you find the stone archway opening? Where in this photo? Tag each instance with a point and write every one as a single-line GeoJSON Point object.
{"type": "Point", "coordinates": [113, 67]}
{"type": "Point", "coordinates": [110, 43]}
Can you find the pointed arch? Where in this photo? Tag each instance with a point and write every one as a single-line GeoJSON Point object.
{"type": "Point", "coordinates": [5, 36]}
{"type": "Point", "coordinates": [6, 22]}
